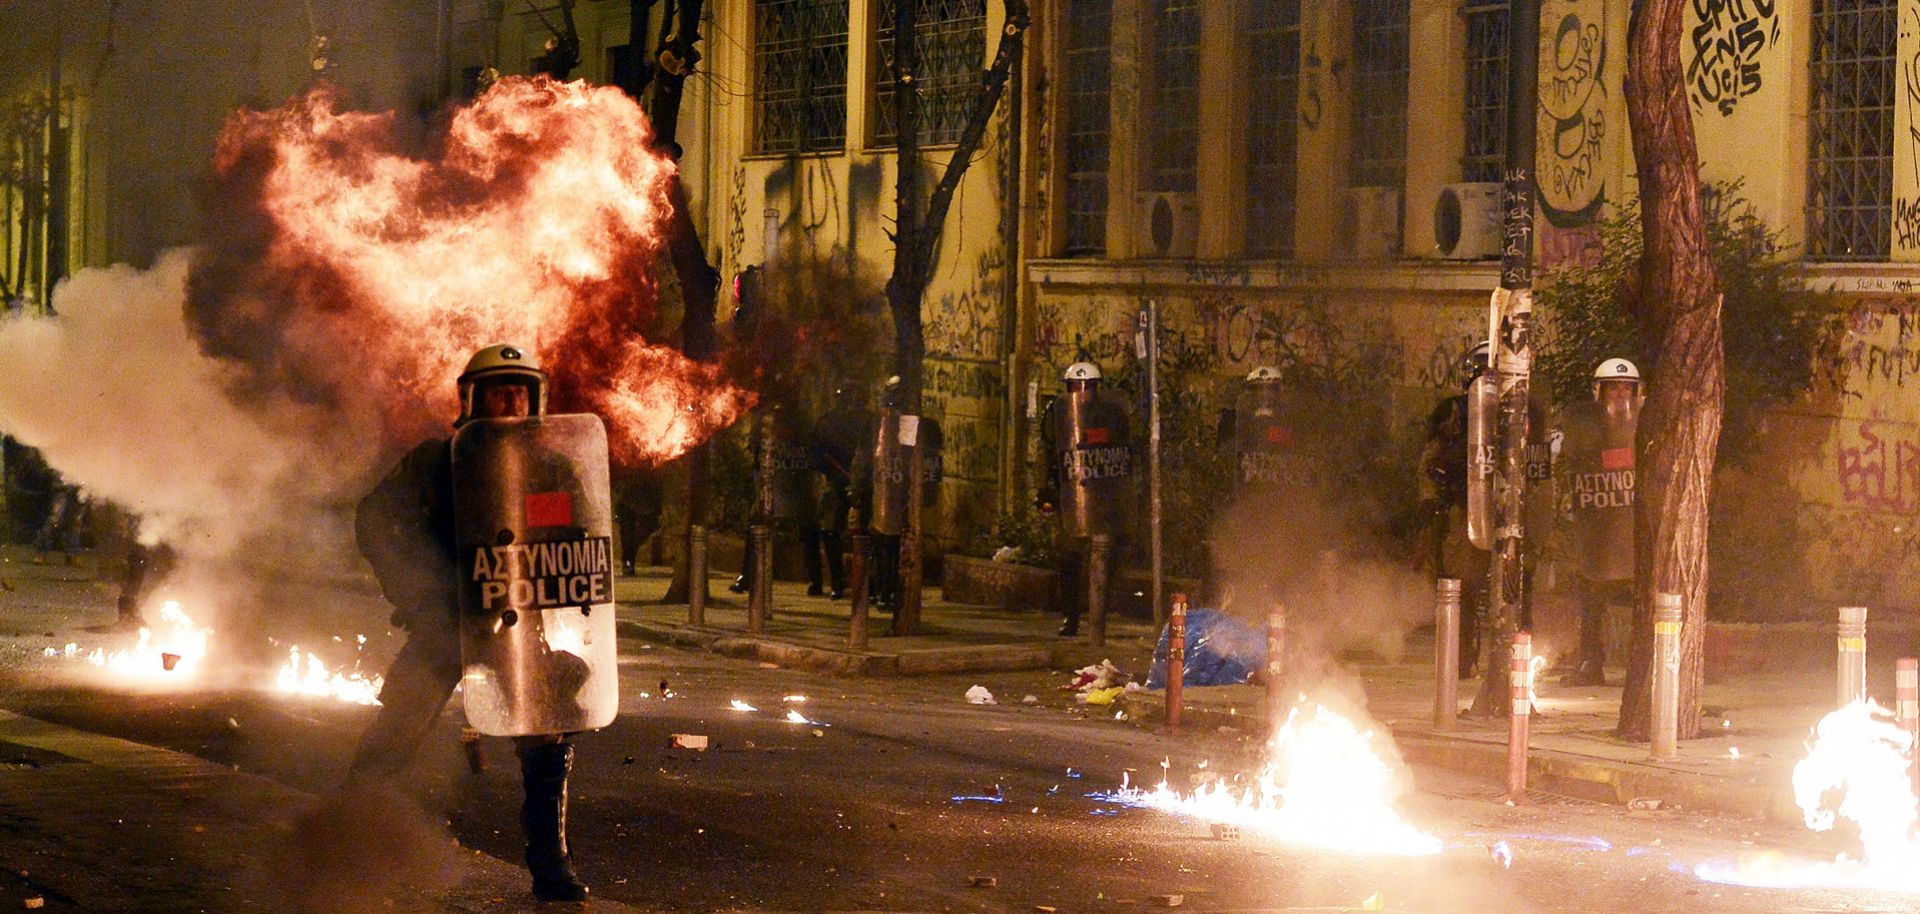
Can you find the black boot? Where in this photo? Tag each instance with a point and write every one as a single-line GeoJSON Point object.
{"type": "Point", "coordinates": [543, 772]}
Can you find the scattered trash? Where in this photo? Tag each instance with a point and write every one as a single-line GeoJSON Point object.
{"type": "Point", "coordinates": [1101, 696]}
{"type": "Point", "coordinates": [1072, 773]}
{"type": "Point", "coordinates": [1119, 715]}
{"type": "Point", "coordinates": [795, 699]}
{"type": "Point", "coordinates": [694, 741]}
{"type": "Point", "coordinates": [820, 732]}
{"type": "Point", "coordinates": [36, 902]}
{"type": "Point", "coordinates": [1102, 675]}
{"type": "Point", "coordinates": [1044, 909]}
{"type": "Point", "coordinates": [1030, 699]}
{"type": "Point", "coordinates": [1643, 804]}
{"type": "Point", "coordinates": [1374, 902]}
{"type": "Point", "coordinates": [978, 695]}
{"type": "Point", "coordinates": [982, 882]}
{"type": "Point", "coordinates": [1225, 831]}
{"type": "Point", "coordinates": [1502, 854]}
{"type": "Point", "coordinates": [1733, 752]}
{"type": "Point", "coordinates": [738, 705]}
{"type": "Point", "coordinates": [1167, 901]}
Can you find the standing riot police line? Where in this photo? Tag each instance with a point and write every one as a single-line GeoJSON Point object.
{"type": "Point", "coordinates": [1598, 451]}
{"type": "Point", "coordinates": [495, 549]}
{"type": "Point", "coordinates": [881, 475]}
{"type": "Point", "coordinates": [1090, 472]}
{"type": "Point", "coordinates": [837, 440]}
{"type": "Point", "coordinates": [1279, 476]}
{"type": "Point", "coordinates": [784, 475]}
{"type": "Point", "coordinates": [1458, 464]}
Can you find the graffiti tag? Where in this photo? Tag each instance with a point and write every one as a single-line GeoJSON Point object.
{"type": "Point", "coordinates": [1726, 48]}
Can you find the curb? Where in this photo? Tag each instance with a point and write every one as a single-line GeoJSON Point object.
{"type": "Point", "coordinates": [1570, 774]}
{"type": "Point", "coordinates": [987, 658]}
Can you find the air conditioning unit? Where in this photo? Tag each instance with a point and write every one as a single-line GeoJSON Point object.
{"type": "Point", "coordinates": [1466, 221]}
{"type": "Point", "coordinates": [1370, 223]}
{"type": "Point", "coordinates": [1169, 224]}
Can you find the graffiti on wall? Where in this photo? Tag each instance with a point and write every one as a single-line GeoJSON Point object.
{"type": "Point", "coordinates": [1573, 101]}
{"type": "Point", "coordinates": [1725, 47]}
{"type": "Point", "coordinates": [1312, 106]}
{"type": "Point", "coordinates": [1569, 247]}
{"type": "Point", "coordinates": [1877, 466]}
{"type": "Point", "coordinates": [1906, 203]}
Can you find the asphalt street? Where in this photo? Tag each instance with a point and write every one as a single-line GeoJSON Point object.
{"type": "Point", "coordinates": [898, 796]}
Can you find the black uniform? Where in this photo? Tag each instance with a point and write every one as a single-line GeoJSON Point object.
{"type": "Point", "coordinates": [1090, 473]}
{"type": "Point", "coordinates": [880, 477]}
{"type": "Point", "coordinates": [1444, 461]}
{"type": "Point", "coordinates": [405, 528]}
{"type": "Point", "coordinates": [837, 438]}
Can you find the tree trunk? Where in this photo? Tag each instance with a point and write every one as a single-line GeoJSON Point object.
{"type": "Point", "coordinates": [1676, 304]}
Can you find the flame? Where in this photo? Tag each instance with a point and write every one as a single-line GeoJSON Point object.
{"type": "Point", "coordinates": [312, 678]}
{"type": "Point", "coordinates": [1323, 787]}
{"type": "Point", "coordinates": [171, 652]}
{"type": "Point", "coordinates": [1856, 769]}
{"type": "Point", "coordinates": [536, 223]}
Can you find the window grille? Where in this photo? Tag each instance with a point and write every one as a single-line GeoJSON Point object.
{"type": "Point", "coordinates": [953, 52]}
{"type": "Point", "coordinates": [1273, 126]}
{"type": "Point", "coordinates": [1089, 84]}
{"type": "Point", "coordinates": [1379, 149]}
{"type": "Point", "coordinates": [1174, 106]}
{"type": "Point", "coordinates": [1850, 129]}
{"type": "Point", "coordinates": [1486, 120]}
{"type": "Point", "coordinates": [800, 76]}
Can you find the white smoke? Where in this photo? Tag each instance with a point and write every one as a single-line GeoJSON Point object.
{"type": "Point", "coordinates": [117, 396]}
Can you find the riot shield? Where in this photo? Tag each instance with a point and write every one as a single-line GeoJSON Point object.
{"type": "Point", "coordinates": [1483, 447]}
{"type": "Point", "coordinates": [1095, 459]}
{"type": "Point", "coordinates": [533, 530]}
{"type": "Point", "coordinates": [1272, 445]}
{"type": "Point", "coordinates": [1599, 455]}
{"type": "Point", "coordinates": [891, 461]}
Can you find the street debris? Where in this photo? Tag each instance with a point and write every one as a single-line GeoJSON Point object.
{"type": "Point", "coordinates": [1168, 901]}
{"type": "Point", "coordinates": [1224, 831]}
{"type": "Point", "coordinates": [738, 705]}
{"type": "Point", "coordinates": [1100, 696]}
{"type": "Point", "coordinates": [1044, 909]}
{"type": "Point", "coordinates": [1102, 675]}
{"type": "Point", "coordinates": [36, 902]}
{"type": "Point", "coordinates": [795, 699]}
{"type": "Point", "coordinates": [982, 882]}
{"type": "Point", "coordinates": [1502, 854]}
{"type": "Point", "coordinates": [978, 695]}
{"type": "Point", "coordinates": [695, 741]}
{"type": "Point", "coordinates": [1643, 804]}
{"type": "Point", "coordinates": [795, 717]}
{"type": "Point", "coordinates": [1030, 699]}
{"type": "Point", "coordinates": [1375, 902]}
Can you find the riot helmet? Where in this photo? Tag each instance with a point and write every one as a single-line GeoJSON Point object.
{"type": "Point", "coordinates": [890, 392]}
{"type": "Point", "coordinates": [1616, 375]}
{"type": "Point", "coordinates": [1265, 374]}
{"type": "Point", "coordinates": [1474, 363]}
{"type": "Point", "coordinates": [1081, 375]}
{"type": "Point", "coordinates": [504, 373]}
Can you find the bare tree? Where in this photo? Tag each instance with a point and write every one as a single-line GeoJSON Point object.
{"type": "Point", "coordinates": [917, 232]}
{"type": "Point", "coordinates": [1676, 303]}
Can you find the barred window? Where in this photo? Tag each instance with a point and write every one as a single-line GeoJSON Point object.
{"type": "Point", "coordinates": [1486, 153]}
{"type": "Point", "coordinates": [1273, 126]}
{"type": "Point", "coordinates": [1850, 130]}
{"type": "Point", "coordinates": [953, 52]}
{"type": "Point", "coordinates": [1089, 84]}
{"type": "Point", "coordinates": [1379, 150]}
{"type": "Point", "coordinates": [800, 76]}
{"type": "Point", "coordinates": [1174, 106]}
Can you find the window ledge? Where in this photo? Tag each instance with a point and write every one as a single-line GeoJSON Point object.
{"type": "Point", "coordinates": [1407, 274]}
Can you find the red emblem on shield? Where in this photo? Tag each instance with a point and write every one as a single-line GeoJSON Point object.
{"type": "Point", "coordinates": [550, 509]}
{"type": "Point", "coordinates": [1280, 435]}
{"type": "Point", "coordinates": [1616, 458]}
{"type": "Point", "coordinates": [1098, 436]}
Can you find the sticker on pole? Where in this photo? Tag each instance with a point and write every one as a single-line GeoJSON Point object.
{"type": "Point", "coordinates": [909, 430]}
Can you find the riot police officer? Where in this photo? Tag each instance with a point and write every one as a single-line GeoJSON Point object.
{"type": "Point", "coordinates": [836, 441]}
{"type": "Point", "coordinates": [1448, 464]}
{"type": "Point", "coordinates": [784, 474]}
{"type": "Point", "coordinates": [416, 526]}
{"type": "Point", "coordinates": [881, 472]}
{"type": "Point", "coordinates": [1090, 472]}
{"type": "Point", "coordinates": [1599, 451]}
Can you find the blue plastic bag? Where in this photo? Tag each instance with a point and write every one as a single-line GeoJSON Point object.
{"type": "Point", "coordinates": [1221, 650]}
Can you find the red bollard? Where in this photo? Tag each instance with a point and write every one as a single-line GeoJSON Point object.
{"type": "Point", "coordinates": [1521, 676]}
{"type": "Point", "coordinates": [1276, 655]}
{"type": "Point", "coordinates": [1176, 658]}
{"type": "Point", "coordinates": [1906, 710]}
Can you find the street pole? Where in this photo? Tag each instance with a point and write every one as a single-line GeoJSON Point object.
{"type": "Point", "coordinates": [1520, 680]}
{"type": "Point", "coordinates": [1510, 322]}
{"type": "Point", "coordinates": [1276, 670]}
{"type": "Point", "coordinates": [696, 574]}
{"type": "Point", "coordinates": [857, 582]}
{"type": "Point", "coordinates": [1665, 726]}
{"type": "Point", "coordinates": [1852, 665]}
{"type": "Point", "coordinates": [1176, 658]}
{"type": "Point", "coordinates": [1446, 652]}
{"type": "Point", "coordinates": [907, 619]}
{"type": "Point", "coordinates": [1150, 350]}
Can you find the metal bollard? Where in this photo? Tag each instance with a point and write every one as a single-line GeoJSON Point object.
{"type": "Point", "coordinates": [1099, 551]}
{"type": "Point", "coordinates": [857, 579]}
{"type": "Point", "coordinates": [475, 752]}
{"type": "Point", "coordinates": [1276, 670]}
{"type": "Point", "coordinates": [1446, 653]}
{"type": "Point", "coordinates": [1853, 655]}
{"type": "Point", "coordinates": [759, 577]}
{"type": "Point", "coordinates": [1665, 725]}
{"type": "Point", "coordinates": [1906, 710]}
{"type": "Point", "coordinates": [1521, 676]}
{"type": "Point", "coordinates": [1176, 658]}
{"type": "Point", "coordinates": [696, 575]}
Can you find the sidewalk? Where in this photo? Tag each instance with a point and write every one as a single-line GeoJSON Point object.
{"type": "Point", "coordinates": [813, 632]}
{"type": "Point", "coordinates": [1754, 730]}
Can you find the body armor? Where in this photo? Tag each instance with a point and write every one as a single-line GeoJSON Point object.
{"type": "Point", "coordinates": [533, 538]}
